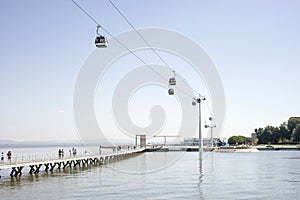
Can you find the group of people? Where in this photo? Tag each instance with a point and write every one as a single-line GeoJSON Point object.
{"type": "Point", "coordinates": [117, 148]}
{"type": "Point", "coordinates": [9, 155]}
{"type": "Point", "coordinates": [61, 153]}
{"type": "Point", "coordinates": [73, 152]}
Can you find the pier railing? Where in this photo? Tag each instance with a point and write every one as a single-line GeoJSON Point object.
{"type": "Point", "coordinates": [49, 162]}
{"type": "Point", "coordinates": [24, 158]}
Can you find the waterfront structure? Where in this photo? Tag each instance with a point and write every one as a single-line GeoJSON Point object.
{"type": "Point", "coordinates": [142, 143]}
{"type": "Point", "coordinates": [206, 141]}
{"type": "Point", "coordinates": [36, 165]}
{"type": "Point", "coordinates": [211, 126]}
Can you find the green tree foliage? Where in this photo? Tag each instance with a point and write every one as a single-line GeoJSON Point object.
{"type": "Point", "coordinates": [296, 133]}
{"type": "Point", "coordinates": [239, 140]}
{"type": "Point", "coordinates": [292, 123]}
{"type": "Point", "coordinates": [286, 133]}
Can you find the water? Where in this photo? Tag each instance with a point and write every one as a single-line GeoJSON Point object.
{"type": "Point", "coordinates": [262, 175]}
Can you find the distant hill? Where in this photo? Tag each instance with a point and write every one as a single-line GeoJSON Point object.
{"type": "Point", "coordinates": [6, 142]}
{"type": "Point", "coordinates": [12, 143]}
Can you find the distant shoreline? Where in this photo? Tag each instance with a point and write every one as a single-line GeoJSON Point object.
{"type": "Point", "coordinates": [277, 147]}
{"type": "Point", "coordinates": [5, 146]}
{"type": "Point", "coordinates": [56, 143]}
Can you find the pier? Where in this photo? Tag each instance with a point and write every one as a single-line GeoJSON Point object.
{"type": "Point", "coordinates": [36, 165]}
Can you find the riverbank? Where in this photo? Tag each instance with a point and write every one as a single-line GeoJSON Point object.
{"type": "Point", "coordinates": [255, 148]}
{"type": "Point", "coordinates": [277, 147]}
{"type": "Point", "coordinates": [238, 149]}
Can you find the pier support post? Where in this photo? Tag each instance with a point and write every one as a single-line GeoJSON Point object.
{"type": "Point", "coordinates": [77, 163]}
{"type": "Point", "coordinates": [15, 171]}
{"type": "Point", "coordinates": [37, 168]}
{"type": "Point", "coordinates": [59, 164]}
{"type": "Point", "coordinates": [31, 171]}
{"type": "Point", "coordinates": [52, 166]}
{"type": "Point", "coordinates": [70, 163]}
{"type": "Point", "coordinates": [101, 160]}
{"type": "Point", "coordinates": [65, 164]}
{"type": "Point", "coordinates": [46, 166]}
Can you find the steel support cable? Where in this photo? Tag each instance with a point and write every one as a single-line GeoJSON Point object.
{"type": "Point", "coordinates": [123, 45]}
{"type": "Point", "coordinates": [141, 36]}
{"type": "Point", "coordinates": [148, 44]}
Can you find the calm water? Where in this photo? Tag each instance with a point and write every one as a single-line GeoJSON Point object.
{"type": "Point", "coordinates": [263, 175]}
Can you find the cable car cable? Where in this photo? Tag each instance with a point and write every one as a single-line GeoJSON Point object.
{"type": "Point", "coordinates": [112, 36]}
{"type": "Point", "coordinates": [119, 11]}
{"type": "Point", "coordinates": [93, 19]}
{"type": "Point", "coordinates": [152, 49]}
{"type": "Point", "coordinates": [141, 36]}
{"type": "Point", "coordinates": [86, 13]}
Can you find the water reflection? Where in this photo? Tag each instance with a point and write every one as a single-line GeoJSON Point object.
{"type": "Point", "coordinates": [25, 179]}
{"type": "Point", "coordinates": [219, 176]}
{"type": "Point", "coordinates": [201, 176]}
{"type": "Point", "coordinates": [206, 170]}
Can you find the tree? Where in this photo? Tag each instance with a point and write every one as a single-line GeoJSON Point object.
{"type": "Point", "coordinates": [296, 134]}
{"type": "Point", "coordinates": [259, 134]}
{"type": "Point", "coordinates": [233, 140]}
{"type": "Point", "coordinates": [292, 123]}
{"type": "Point", "coordinates": [267, 135]}
{"type": "Point", "coordinates": [285, 135]}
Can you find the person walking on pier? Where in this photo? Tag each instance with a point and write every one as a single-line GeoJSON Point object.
{"type": "Point", "coordinates": [74, 151]}
{"type": "Point", "coordinates": [59, 153]}
{"type": "Point", "coordinates": [2, 157]}
{"type": "Point", "coordinates": [9, 156]}
{"type": "Point", "coordinates": [100, 151]}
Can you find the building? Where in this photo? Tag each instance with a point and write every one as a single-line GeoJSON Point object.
{"type": "Point", "coordinates": [253, 137]}
{"type": "Point", "coordinates": [206, 141]}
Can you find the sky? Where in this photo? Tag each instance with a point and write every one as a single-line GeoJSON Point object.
{"type": "Point", "coordinates": [254, 45]}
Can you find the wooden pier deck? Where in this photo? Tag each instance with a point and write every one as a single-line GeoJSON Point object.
{"type": "Point", "coordinates": [36, 165]}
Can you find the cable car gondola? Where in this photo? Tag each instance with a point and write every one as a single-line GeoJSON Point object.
{"type": "Point", "coordinates": [172, 81]}
{"type": "Point", "coordinates": [100, 40]}
{"type": "Point", "coordinates": [171, 91]}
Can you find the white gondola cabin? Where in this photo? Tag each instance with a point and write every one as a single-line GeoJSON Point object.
{"type": "Point", "coordinates": [100, 41]}
{"type": "Point", "coordinates": [172, 81]}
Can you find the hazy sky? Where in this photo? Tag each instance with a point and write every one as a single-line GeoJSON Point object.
{"type": "Point", "coordinates": [254, 44]}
